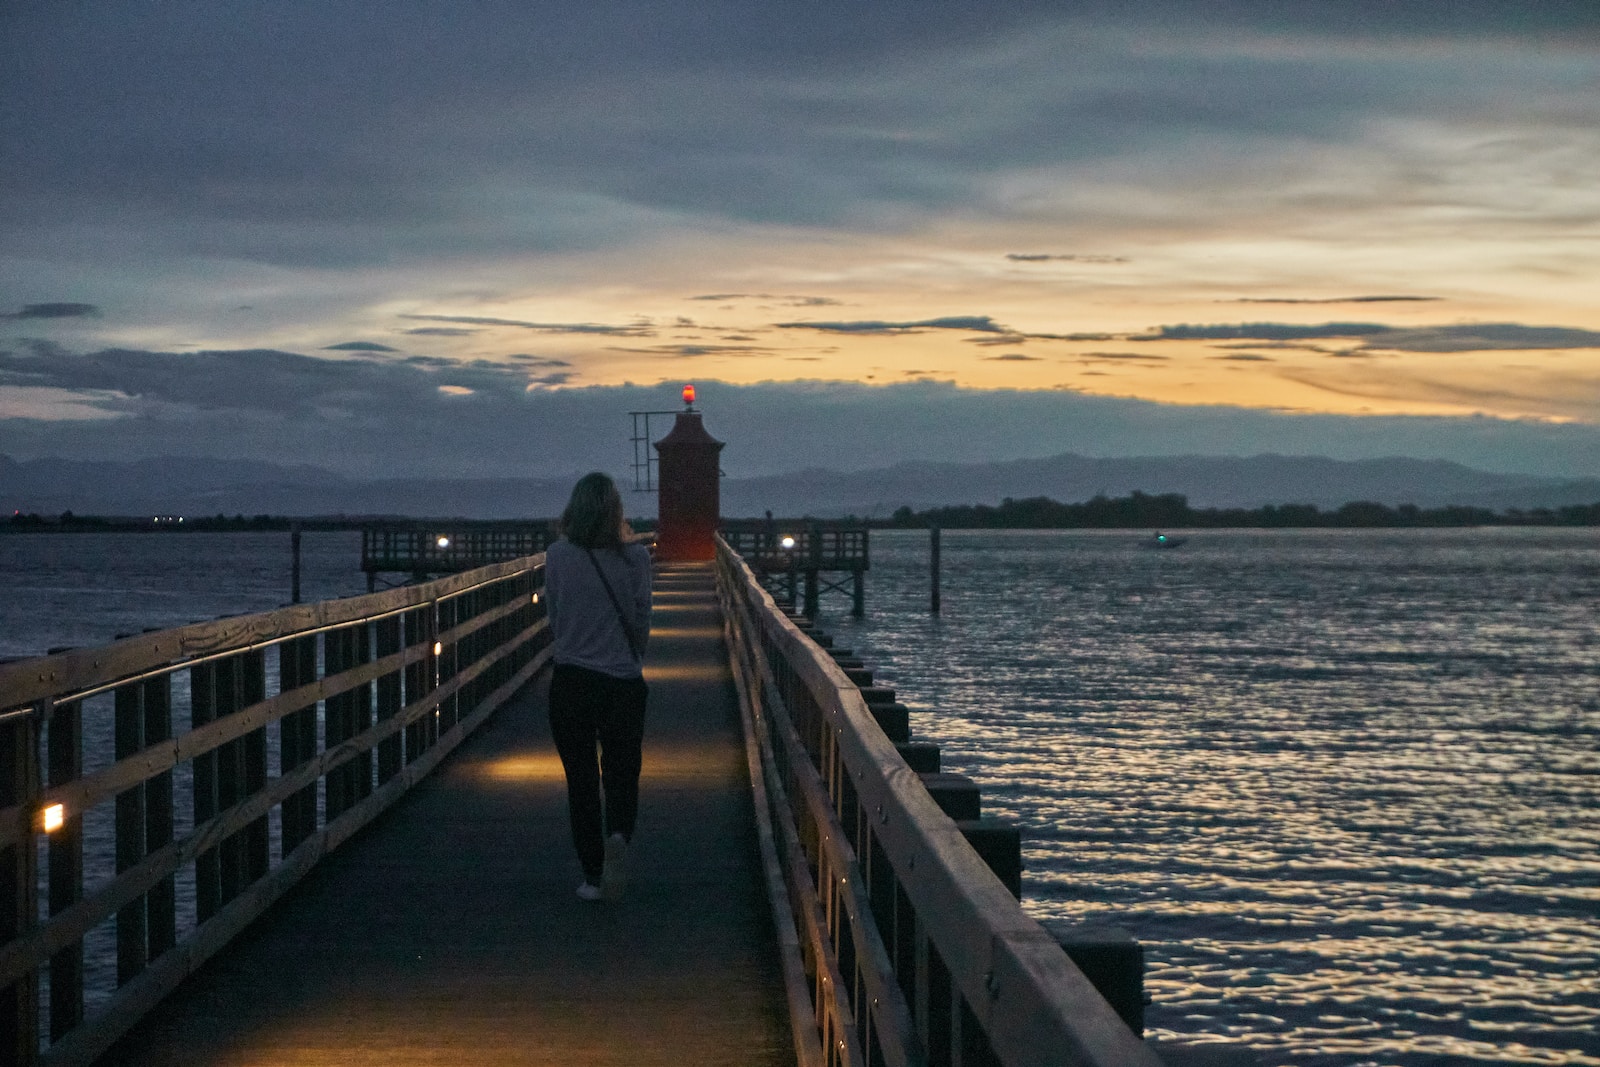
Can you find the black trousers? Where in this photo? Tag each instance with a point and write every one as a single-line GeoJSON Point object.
{"type": "Point", "coordinates": [590, 710]}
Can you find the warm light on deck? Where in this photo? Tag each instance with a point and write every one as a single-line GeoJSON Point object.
{"type": "Point", "coordinates": [55, 817]}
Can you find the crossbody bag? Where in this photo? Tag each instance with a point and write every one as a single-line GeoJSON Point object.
{"type": "Point", "coordinates": [634, 644]}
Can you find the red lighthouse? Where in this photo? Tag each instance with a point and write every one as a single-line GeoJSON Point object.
{"type": "Point", "coordinates": [690, 488]}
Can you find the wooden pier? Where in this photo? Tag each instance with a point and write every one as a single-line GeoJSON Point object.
{"type": "Point", "coordinates": [311, 893]}
{"type": "Point", "coordinates": [451, 933]}
{"type": "Point", "coordinates": [792, 558]}
{"type": "Point", "coordinates": [423, 550]}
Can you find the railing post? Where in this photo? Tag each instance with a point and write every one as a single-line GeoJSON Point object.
{"type": "Point", "coordinates": [147, 926]}
{"type": "Point", "coordinates": [390, 701]}
{"type": "Point", "coordinates": [161, 903]}
{"type": "Point", "coordinates": [131, 918]}
{"type": "Point", "coordinates": [19, 882]}
{"type": "Point", "coordinates": [813, 567]}
{"type": "Point", "coordinates": [297, 739]}
{"type": "Point", "coordinates": [203, 708]}
{"type": "Point", "coordinates": [252, 845]}
{"type": "Point", "coordinates": [64, 747]}
{"type": "Point", "coordinates": [420, 627]}
{"type": "Point", "coordinates": [345, 716]}
{"type": "Point", "coordinates": [294, 567]}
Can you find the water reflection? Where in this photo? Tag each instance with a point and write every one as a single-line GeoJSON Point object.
{"type": "Point", "coordinates": [1343, 784]}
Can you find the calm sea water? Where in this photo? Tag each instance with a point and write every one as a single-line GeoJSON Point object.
{"type": "Point", "coordinates": [81, 590]}
{"type": "Point", "coordinates": [86, 589]}
{"type": "Point", "coordinates": [1343, 785]}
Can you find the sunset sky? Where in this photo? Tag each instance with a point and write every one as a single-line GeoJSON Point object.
{"type": "Point", "coordinates": [468, 237]}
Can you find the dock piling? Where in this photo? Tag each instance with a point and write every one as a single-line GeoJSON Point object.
{"type": "Point", "coordinates": [294, 567]}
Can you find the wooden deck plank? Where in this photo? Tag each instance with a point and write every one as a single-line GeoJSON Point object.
{"type": "Point", "coordinates": [449, 931]}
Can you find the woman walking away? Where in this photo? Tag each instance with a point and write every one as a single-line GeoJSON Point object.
{"type": "Point", "coordinates": [597, 591]}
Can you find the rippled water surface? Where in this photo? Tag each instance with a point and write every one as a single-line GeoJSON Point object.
{"type": "Point", "coordinates": [1343, 785]}
{"type": "Point", "coordinates": [84, 589]}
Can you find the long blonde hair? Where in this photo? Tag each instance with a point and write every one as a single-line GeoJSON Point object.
{"type": "Point", "coordinates": [593, 518]}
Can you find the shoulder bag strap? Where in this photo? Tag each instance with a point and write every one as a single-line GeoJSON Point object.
{"type": "Point", "coordinates": [633, 639]}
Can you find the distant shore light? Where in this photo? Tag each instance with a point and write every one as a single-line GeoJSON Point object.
{"type": "Point", "coordinates": [443, 542]}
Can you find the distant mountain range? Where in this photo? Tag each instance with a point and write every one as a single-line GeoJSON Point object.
{"type": "Point", "coordinates": [193, 486]}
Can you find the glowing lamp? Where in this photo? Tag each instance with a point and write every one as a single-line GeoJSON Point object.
{"type": "Point", "coordinates": [787, 542]}
{"type": "Point", "coordinates": [688, 396]}
{"type": "Point", "coordinates": [536, 598]}
{"type": "Point", "coordinates": [55, 817]}
{"type": "Point", "coordinates": [438, 648]}
{"type": "Point", "coordinates": [443, 542]}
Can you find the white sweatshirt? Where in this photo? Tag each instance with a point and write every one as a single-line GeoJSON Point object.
{"type": "Point", "coordinates": [585, 626]}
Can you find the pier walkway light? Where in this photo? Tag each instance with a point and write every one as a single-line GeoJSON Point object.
{"type": "Point", "coordinates": [787, 542]}
{"type": "Point", "coordinates": [54, 818]}
{"type": "Point", "coordinates": [443, 541]}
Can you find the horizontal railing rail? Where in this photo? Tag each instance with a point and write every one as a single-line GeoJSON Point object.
{"type": "Point", "coordinates": [159, 793]}
{"type": "Point", "coordinates": [444, 547]}
{"type": "Point", "coordinates": [782, 545]}
{"type": "Point", "coordinates": [912, 951]}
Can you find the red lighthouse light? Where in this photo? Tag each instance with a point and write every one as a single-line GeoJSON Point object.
{"type": "Point", "coordinates": [688, 396]}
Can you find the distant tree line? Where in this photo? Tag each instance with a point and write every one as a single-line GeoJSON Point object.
{"type": "Point", "coordinates": [67, 522]}
{"type": "Point", "coordinates": [1172, 510]}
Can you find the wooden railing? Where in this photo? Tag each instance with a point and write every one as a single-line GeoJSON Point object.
{"type": "Point", "coordinates": [815, 545]}
{"type": "Point", "coordinates": [146, 770]}
{"type": "Point", "coordinates": [902, 946]}
{"type": "Point", "coordinates": [446, 547]}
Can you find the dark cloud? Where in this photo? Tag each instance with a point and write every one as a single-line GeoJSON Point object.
{"type": "Point", "coordinates": [538, 361]}
{"type": "Point", "coordinates": [1333, 300]}
{"type": "Point", "coordinates": [682, 351]}
{"type": "Point", "coordinates": [359, 346]}
{"type": "Point", "coordinates": [1261, 331]}
{"type": "Point", "coordinates": [1012, 357]}
{"type": "Point", "coordinates": [635, 330]}
{"type": "Point", "coordinates": [510, 128]}
{"type": "Point", "coordinates": [1481, 337]}
{"type": "Point", "coordinates": [440, 331]}
{"type": "Point", "coordinates": [1046, 257]}
{"type": "Point", "coordinates": [54, 311]}
{"type": "Point", "coordinates": [787, 301]}
{"type": "Point", "coordinates": [978, 323]}
{"type": "Point", "coordinates": [1246, 357]}
{"type": "Point", "coordinates": [1117, 357]}
{"type": "Point", "coordinates": [1291, 346]}
{"type": "Point", "coordinates": [1011, 337]}
{"type": "Point", "coordinates": [1484, 337]}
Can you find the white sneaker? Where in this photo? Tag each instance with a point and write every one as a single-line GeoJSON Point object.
{"type": "Point", "coordinates": [614, 878]}
{"type": "Point", "coordinates": [589, 892]}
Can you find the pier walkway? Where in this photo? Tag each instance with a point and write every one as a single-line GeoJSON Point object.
{"type": "Point", "coordinates": [448, 932]}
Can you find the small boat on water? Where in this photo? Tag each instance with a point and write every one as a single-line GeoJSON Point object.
{"type": "Point", "coordinates": [1161, 540]}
